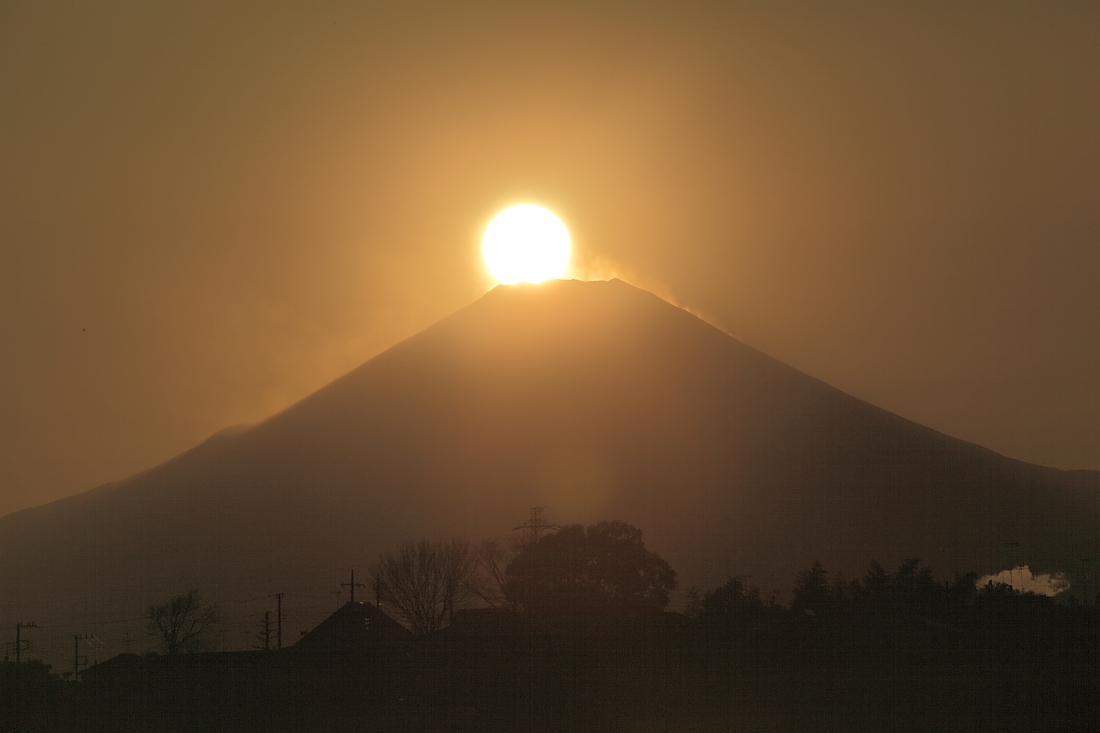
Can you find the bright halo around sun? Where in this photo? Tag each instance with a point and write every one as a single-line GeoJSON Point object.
{"type": "Point", "coordinates": [525, 244]}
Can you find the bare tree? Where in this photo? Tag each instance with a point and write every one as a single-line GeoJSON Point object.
{"type": "Point", "coordinates": [183, 624]}
{"type": "Point", "coordinates": [425, 581]}
{"type": "Point", "coordinates": [493, 557]}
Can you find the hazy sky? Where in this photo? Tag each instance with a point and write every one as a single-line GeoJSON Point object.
{"type": "Point", "coordinates": [209, 210]}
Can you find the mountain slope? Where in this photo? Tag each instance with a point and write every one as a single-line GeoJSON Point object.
{"type": "Point", "coordinates": [597, 400]}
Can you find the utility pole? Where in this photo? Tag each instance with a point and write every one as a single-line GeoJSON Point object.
{"type": "Point", "coordinates": [378, 590]}
{"type": "Point", "coordinates": [279, 622]}
{"type": "Point", "coordinates": [76, 653]}
{"type": "Point", "coordinates": [19, 640]}
{"type": "Point", "coordinates": [265, 635]}
{"type": "Point", "coordinates": [18, 670]}
{"type": "Point", "coordinates": [352, 586]}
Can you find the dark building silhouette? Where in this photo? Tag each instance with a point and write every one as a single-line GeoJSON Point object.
{"type": "Point", "coordinates": [348, 661]}
{"type": "Point", "coordinates": [356, 629]}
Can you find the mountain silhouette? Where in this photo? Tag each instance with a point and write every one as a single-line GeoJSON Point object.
{"type": "Point", "coordinates": [595, 399]}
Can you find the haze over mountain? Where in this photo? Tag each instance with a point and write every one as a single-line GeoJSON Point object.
{"type": "Point", "coordinates": [595, 399]}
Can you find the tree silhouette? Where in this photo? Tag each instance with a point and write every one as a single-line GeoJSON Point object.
{"type": "Point", "coordinates": [183, 623]}
{"type": "Point", "coordinates": [812, 593]}
{"type": "Point", "coordinates": [876, 584]}
{"type": "Point", "coordinates": [911, 590]}
{"type": "Point", "coordinates": [963, 591]}
{"type": "Point", "coordinates": [424, 581]}
{"type": "Point", "coordinates": [493, 557]}
{"type": "Point", "coordinates": [732, 600]}
{"type": "Point", "coordinates": [599, 570]}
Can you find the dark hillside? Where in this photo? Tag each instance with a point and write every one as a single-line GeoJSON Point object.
{"type": "Point", "coordinates": [595, 399]}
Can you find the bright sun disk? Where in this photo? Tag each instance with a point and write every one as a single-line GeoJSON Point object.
{"type": "Point", "coordinates": [525, 244]}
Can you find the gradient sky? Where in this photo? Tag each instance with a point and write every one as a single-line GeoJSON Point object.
{"type": "Point", "coordinates": [209, 210]}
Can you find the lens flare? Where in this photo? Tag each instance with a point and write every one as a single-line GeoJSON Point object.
{"type": "Point", "coordinates": [526, 244]}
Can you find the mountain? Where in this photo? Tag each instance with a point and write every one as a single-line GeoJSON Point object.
{"type": "Point", "coordinates": [595, 399]}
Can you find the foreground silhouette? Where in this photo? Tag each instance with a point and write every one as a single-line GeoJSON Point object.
{"type": "Point", "coordinates": [887, 651]}
{"type": "Point", "coordinates": [583, 572]}
{"type": "Point", "coordinates": [183, 624]}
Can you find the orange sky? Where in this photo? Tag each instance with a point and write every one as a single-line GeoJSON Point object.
{"type": "Point", "coordinates": [208, 212]}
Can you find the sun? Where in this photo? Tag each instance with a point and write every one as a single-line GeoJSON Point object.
{"type": "Point", "coordinates": [526, 244]}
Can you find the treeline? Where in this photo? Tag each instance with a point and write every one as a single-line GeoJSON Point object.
{"type": "Point", "coordinates": [569, 577]}
{"type": "Point", "coordinates": [605, 568]}
{"type": "Point", "coordinates": [909, 592]}
{"type": "Point", "coordinates": [904, 619]}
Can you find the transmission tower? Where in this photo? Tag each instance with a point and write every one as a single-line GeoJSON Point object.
{"type": "Point", "coordinates": [535, 526]}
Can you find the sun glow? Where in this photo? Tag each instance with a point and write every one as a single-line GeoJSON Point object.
{"type": "Point", "coordinates": [525, 244]}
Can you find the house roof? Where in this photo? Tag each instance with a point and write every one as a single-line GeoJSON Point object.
{"type": "Point", "coordinates": [355, 627]}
